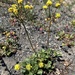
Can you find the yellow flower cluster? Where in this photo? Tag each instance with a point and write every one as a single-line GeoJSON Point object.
{"type": "Point", "coordinates": [28, 67]}
{"type": "Point", "coordinates": [8, 34]}
{"type": "Point", "coordinates": [14, 6]}
{"type": "Point", "coordinates": [19, 1]}
{"type": "Point", "coordinates": [28, 7]}
{"type": "Point", "coordinates": [17, 67]}
{"type": "Point", "coordinates": [57, 15]}
{"type": "Point", "coordinates": [13, 9]}
{"type": "Point", "coordinates": [45, 7]}
{"type": "Point", "coordinates": [49, 3]}
{"type": "Point", "coordinates": [41, 64]}
{"type": "Point", "coordinates": [57, 4]}
{"type": "Point", "coordinates": [10, 9]}
{"type": "Point", "coordinates": [31, 6]}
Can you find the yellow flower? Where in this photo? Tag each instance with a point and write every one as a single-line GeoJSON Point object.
{"type": "Point", "coordinates": [57, 15]}
{"type": "Point", "coordinates": [8, 34]}
{"type": "Point", "coordinates": [57, 4]}
{"type": "Point", "coordinates": [48, 19]}
{"type": "Point", "coordinates": [5, 32]}
{"type": "Point", "coordinates": [28, 67]}
{"type": "Point", "coordinates": [27, 7]}
{"type": "Point", "coordinates": [31, 7]}
{"type": "Point", "coordinates": [10, 9]}
{"type": "Point", "coordinates": [45, 7]}
{"type": "Point", "coordinates": [13, 5]}
{"type": "Point", "coordinates": [41, 64]}
{"type": "Point", "coordinates": [20, 1]}
{"type": "Point", "coordinates": [17, 67]}
{"type": "Point", "coordinates": [4, 47]}
{"type": "Point", "coordinates": [49, 2]}
{"type": "Point", "coordinates": [15, 11]}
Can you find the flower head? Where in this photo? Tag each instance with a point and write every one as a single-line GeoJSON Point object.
{"type": "Point", "coordinates": [31, 7]}
{"type": "Point", "coordinates": [45, 7]}
{"type": "Point", "coordinates": [13, 5]}
{"type": "Point", "coordinates": [57, 4]}
{"type": "Point", "coordinates": [28, 67]}
{"type": "Point", "coordinates": [17, 67]}
{"type": "Point", "coordinates": [8, 34]}
{"type": "Point", "coordinates": [19, 1]}
{"type": "Point", "coordinates": [10, 9]}
{"type": "Point", "coordinates": [57, 15]}
{"type": "Point", "coordinates": [41, 64]}
{"type": "Point", "coordinates": [4, 47]}
{"type": "Point", "coordinates": [49, 2]}
{"type": "Point", "coordinates": [27, 7]}
{"type": "Point", "coordinates": [15, 11]}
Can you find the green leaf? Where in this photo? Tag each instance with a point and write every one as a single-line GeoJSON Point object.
{"type": "Point", "coordinates": [42, 50]}
{"type": "Point", "coordinates": [30, 73]}
{"type": "Point", "coordinates": [47, 56]}
{"type": "Point", "coordinates": [59, 55]}
{"type": "Point", "coordinates": [53, 67]}
{"type": "Point", "coordinates": [23, 70]}
{"type": "Point", "coordinates": [48, 65]}
{"type": "Point", "coordinates": [33, 55]}
{"type": "Point", "coordinates": [40, 72]}
{"type": "Point", "coordinates": [49, 62]}
{"type": "Point", "coordinates": [35, 67]}
{"type": "Point", "coordinates": [55, 53]}
{"type": "Point", "coordinates": [8, 53]}
{"type": "Point", "coordinates": [27, 59]}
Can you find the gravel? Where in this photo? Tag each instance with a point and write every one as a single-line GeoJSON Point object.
{"type": "Point", "coordinates": [38, 40]}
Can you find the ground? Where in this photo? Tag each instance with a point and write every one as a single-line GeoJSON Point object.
{"type": "Point", "coordinates": [39, 40]}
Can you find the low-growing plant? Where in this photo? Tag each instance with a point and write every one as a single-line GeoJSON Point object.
{"type": "Point", "coordinates": [68, 38]}
{"type": "Point", "coordinates": [51, 15]}
{"type": "Point", "coordinates": [42, 63]}
{"type": "Point", "coordinates": [23, 12]}
{"type": "Point", "coordinates": [9, 46]}
{"type": "Point", "coordinates": [73, 23]}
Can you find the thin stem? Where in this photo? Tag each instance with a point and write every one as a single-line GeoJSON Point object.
{"type": "Point", "coordinates": [48, 34]}
{"type": "Point", "coordinates": [49, 28]}
{"type": "Point", "coordinates": [28, 36]}
{"type": "Point", "coordinates": [49, 13]}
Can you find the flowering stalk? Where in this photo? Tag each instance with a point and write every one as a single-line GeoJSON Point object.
{"type": "Point", "coordinates": [48, 34]}
{"type": "Point", "coordinates": [28, 36]}
{"type": "Point", "coordinates": [49, 28]}
{"type": "Point", "coordinates": [49, 13]}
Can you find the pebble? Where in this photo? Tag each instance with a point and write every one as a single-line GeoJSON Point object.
{"type": "Point", "coordinates": [39, 38]}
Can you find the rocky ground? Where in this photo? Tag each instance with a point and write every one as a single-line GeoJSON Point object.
{"type": "Point", "coordinates": [39, 40]}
